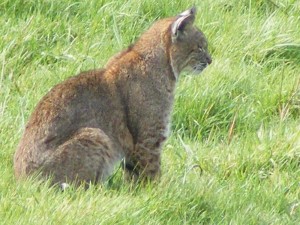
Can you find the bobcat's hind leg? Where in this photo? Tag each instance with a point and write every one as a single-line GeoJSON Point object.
{"type": "Point", "coordinates": [87, 157]}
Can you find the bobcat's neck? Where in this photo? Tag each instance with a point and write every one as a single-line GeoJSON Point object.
{"type": "Point", "coordinates": [154, 46]}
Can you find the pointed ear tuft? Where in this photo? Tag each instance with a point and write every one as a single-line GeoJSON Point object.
{"type": "Point", "coordinates": [183, 19]}
{"type": "Point", "coordinates": [191, 11]}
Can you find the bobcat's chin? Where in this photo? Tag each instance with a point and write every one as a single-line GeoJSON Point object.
{"type": "Point", "coordinates": [197, 69]}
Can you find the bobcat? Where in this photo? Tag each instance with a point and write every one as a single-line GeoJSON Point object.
{"type": "Point", "coordinates": [88, 123]}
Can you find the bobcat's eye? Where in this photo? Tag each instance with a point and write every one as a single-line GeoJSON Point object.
{"type": "Point", "coordinates": [200, 48]}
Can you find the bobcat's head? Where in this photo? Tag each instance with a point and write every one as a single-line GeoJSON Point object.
{"type": "Point", "coordinates": [188, 49]}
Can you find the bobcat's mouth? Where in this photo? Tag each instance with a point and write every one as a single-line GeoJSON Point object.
{"type": "Point", "coordinates": [199, 68]}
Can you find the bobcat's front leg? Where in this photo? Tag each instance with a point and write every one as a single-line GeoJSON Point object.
{"type": "Point", "coordinates": [144, 163]}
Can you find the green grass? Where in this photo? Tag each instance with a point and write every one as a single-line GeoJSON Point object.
{"type": "Point", "coordinates": [234, 153]}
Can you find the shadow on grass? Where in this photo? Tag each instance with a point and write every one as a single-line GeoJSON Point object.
{"type": "Point", "coordinates": [289, 54]}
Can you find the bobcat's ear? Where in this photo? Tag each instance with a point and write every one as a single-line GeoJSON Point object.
{"type": "Point", "coordinates": [182, 21]}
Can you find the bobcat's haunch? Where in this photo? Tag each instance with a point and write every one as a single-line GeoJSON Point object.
{"type": "Point", "coordinates": [86, 124]}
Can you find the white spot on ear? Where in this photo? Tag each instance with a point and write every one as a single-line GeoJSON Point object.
{"type": "Point", "coordinates": [177, 24]}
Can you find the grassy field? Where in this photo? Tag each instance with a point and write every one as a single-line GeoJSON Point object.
{"type": "Point", "coordinates": [234, 154]}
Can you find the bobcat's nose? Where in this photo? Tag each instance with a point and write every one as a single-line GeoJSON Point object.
{"type": "Point", "coordinates": [208, 59]}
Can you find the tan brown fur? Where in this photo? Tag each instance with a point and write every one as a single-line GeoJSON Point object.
{"type": "Point", "coordinates": [91, 121]}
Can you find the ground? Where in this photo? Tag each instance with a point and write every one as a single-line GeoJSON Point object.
{"type": "Point", "coordinates": [234, 152]}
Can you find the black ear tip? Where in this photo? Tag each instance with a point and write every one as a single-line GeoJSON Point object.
{"type": "Point", "coordinates": [193, 10]}
{"type": "Point", "coordinates": [190, 12]}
